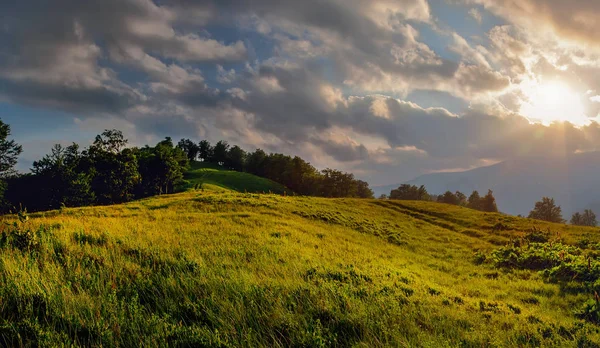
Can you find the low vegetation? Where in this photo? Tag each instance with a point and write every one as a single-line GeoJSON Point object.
{"type": "Point", "coordinates": [208, 268]}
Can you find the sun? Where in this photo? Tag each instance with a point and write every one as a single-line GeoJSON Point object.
{"type": "Point", "coordinates": [553, 101]}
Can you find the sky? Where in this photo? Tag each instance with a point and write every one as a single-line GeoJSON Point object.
{"type": "Point", "coordinates": [386, 89]}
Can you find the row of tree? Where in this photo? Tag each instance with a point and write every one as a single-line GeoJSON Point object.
{"type": "Point", "coordinates": [292, 172]}
{"type": "Point", "coordinates": [109, 171]}
{"type": "Point", "coordinates": [545, 210]}
{"type": "Point", "coordinates": [548, 210]}
{"type": "Point", "coordinates": [408, 192]}
{"type": "Point", "coordinates": [105, 173]}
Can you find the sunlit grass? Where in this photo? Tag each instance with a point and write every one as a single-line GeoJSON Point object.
{"type": "Point", "coordinates": [211, 176]}
{"type": "Point", "coordinates": [208, 268]}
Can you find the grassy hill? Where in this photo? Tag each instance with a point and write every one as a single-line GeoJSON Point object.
{"type": "Point", "coordinates": [214, 177]}
{"type": "Point", "coordinates": [223, 269]}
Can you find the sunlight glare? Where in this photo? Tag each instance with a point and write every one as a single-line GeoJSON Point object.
{"type": "Point", "coordinates": [553, 101]}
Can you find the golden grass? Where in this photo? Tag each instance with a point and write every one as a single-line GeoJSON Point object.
{"type": "Point", "coordinates": [231, 269]}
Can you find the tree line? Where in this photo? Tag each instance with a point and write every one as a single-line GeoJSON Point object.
{"type": "Point", "coordinates": [292, 172]}
{"type": "Point", "coordinates": [548, 210]}
{"type": "Point", "coordinates": [107, 172]}
{"type": "Point", "coordinates": [486, 203]}
{"type": "Point", "coordinates": [545, 210]}
{"type": "Point", "coordinates": [110, 172]}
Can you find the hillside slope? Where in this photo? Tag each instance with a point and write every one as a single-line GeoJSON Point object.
{"type": "Point", "coordinates": [230, 269]}
{"type": "Point", "coordinates": [212, 176]}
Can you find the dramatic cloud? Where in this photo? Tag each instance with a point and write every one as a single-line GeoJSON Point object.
{"type": "Point", "coordinates": [331, 80]}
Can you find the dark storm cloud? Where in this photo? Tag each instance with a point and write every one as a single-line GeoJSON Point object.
{"type": "Point", "coordinates": [310, 92]}
{"type": "Point", "coordinates": [51, 51]}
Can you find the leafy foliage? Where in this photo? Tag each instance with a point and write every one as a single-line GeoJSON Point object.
{"type": "Point", "coordinates": [9, 151]}
{"type": "Point", "coordinates": [107, 172]}
{"type": "Point", "coordinates": [410, 193]}
{"type": "Point", "coordinates": [547, 210]}
{"type": "Point", "coordinates": [588, 218]}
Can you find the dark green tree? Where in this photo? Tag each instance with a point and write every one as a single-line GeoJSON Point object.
{"type": "Point", "coordinates": [236, 158]}
{"type": "Point", "coordinates": [114, 168]}
{"type": "Point", "coordinates": [488, 203]}
{"type": "Point", "coordinates": [461, 198]}
{"type": "Point", "coordinates": [588, 218]}
{"type": "Point", "coordinates": [449, 198]}
{"type": "Point", "coordinates": [255, 162]}
{"type": "Point", "coordinates": [363, 190]}
{"type": "Point", "coordinates": [62, 179]}
{"type": "Point", "coordinates": [408, 192]}
{"type": "Point", "coordinates": [9, 151]}
{"type": "Point", "coordinates": [474, 201]}
{"type": "Point", "coordinates": [577, 220]}
{"type": "Point", "coordinates": [547, 210]}
{"type": "Point", "coordinates": [161, 168]}
{"type": "Point", "coordinates": [205, 151]}
{"type": "Point", "coordinates": [219, 153]}
{"type": "Point", "coordinates": [190, 148]}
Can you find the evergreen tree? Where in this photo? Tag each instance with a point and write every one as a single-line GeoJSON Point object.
{"type": "Point", "coordinates": [9, 151]}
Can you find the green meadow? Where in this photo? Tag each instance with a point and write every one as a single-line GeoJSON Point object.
{"type": "Point", "coordinates": [214, 177]}
{"type": "Point", "coordinates": [219, 268]}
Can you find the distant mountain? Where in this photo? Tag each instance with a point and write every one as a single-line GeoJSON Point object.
{"type": "Point", "coordinates": [574, 182]}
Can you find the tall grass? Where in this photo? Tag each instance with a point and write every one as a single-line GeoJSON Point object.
{"type": "Point", "coordinates": [230, 269]}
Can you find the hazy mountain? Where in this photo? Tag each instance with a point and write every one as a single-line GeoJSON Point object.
{"type": "Point", "coordinates": [574, 182]}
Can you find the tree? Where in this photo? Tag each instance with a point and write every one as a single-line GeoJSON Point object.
{"type": "Point", "coordinates": [113, 167]}
{"type": "Point", "coordinates": [363, 190]}
{"type": "Point", "coordinates": [488, 203]}
{"type": "Point", "coordinates": [111, 141]}
{"type": "Point", "coordinates": [577, 220]}
{"type": "Point", "coordinates": [255, 162]}
{"type": "Point", "coordinates": [236, 158]}
{"type": "Point", "coordinates": [448, 198]}
{"type": "Point", "coordinates": [474, 201]}
{"type": "Point", "coordinates": [205, 151]}
{"type": "Point", "coordinates": [408, 192]}
{"type": "Point", "coordinates": [190, 148]}
{"type": "Point", "coordinates": [547, 210]}
{"type": "Point", "coordinates": [461, 198]}
{"type": "Point", "coordinates": [219, 153]}
{"type": "Point", "coordinates": [62, 180]}
{"type": "Point", "coordinates": [588, 218]}
{"type": "Point", "coordinates": [9, 151]}
{"type": "Point", "coordinates": [161, 167]}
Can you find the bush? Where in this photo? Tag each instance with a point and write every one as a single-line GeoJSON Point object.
{"type": "Point", "coordinates": [18, 235]}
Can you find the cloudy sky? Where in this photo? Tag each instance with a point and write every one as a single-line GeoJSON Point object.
{"type": "Point", "coordinates": [387, 89]}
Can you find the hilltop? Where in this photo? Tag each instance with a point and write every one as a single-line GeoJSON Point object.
{"type": "Point", "coordinates": [209, 268]}
{"type": "Point", "coordinates": [213, 176]}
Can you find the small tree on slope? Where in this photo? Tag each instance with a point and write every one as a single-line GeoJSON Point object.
{"type": "Point", "coordinates": [547, 210]}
